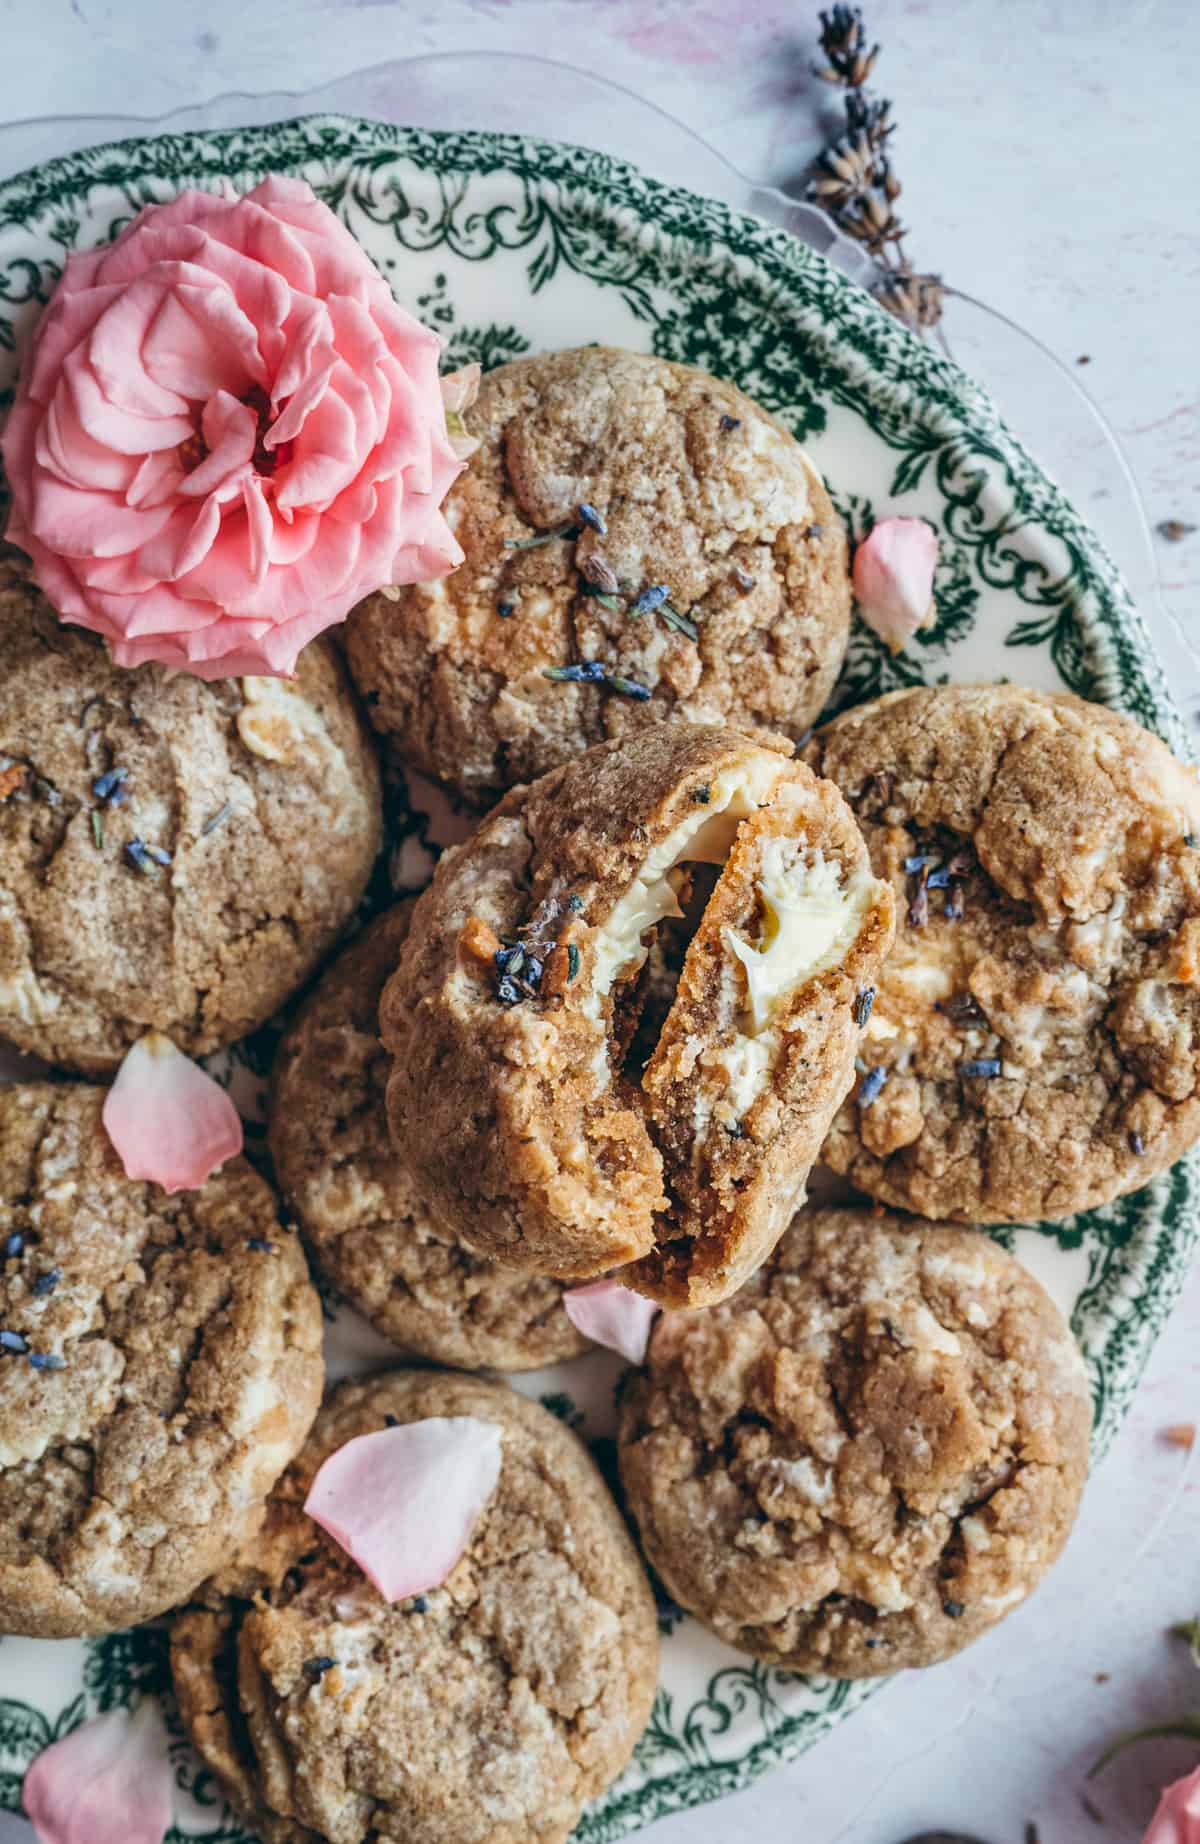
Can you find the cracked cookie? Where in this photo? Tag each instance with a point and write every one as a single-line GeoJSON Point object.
{"type": "Point", "coordinates": [174, 855]}
{"type": "Point", "coordinates": [641, 532]}
{"type": "Point", "coordinates": [486, 1711]}
{"type": "Point", "coordinates": [564, 1100]}
{"type": "Point", "coordinates": [160, 1364]}
{"type": "Point", "coordinates": [1034, 1046]}
{"type": "Point", "coordinates": [364, 1225]}
{"type": "Point", "coordinates": [866, 1458]}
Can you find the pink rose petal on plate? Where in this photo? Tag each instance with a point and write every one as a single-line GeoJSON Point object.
{"type": "Point", "coordinates": [459, 391]}
{"type": "Point", "coordinates": [169, 1121]}
{"type": "Point", "coordinates": [893, 578]}
{"type": "Point", "coordinates": [108, 1782]}
{"type": "Point", "coordinates": [613, 1316]}
{"type": "Point", "coordinates": [1177, 1820]}
{"type": "Point", "coordinates": [403, 1502]}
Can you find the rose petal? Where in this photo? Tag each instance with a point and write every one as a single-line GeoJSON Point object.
{"type": "Point", "coordinates": [460, 388]}
{"type": "Point", "coordinates": [1177, 1819]}
{"type": "Point", "coordinates": [893, 578]}
{"type": "Point", "coordinates": [108, 1782]}
{"type": "Point", "coordinates": [403, 1502]}
{"type": "Point", "coordinates": [612, 1315]}
{"type": "Point", "coordinates": [168, 1121]}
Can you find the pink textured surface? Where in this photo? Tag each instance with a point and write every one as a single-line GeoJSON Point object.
{"type": "Point", "coordinates": [1040, 148]}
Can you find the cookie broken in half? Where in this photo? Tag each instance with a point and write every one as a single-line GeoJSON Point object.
{"type": "Point", "coordinates": [629, 1007]}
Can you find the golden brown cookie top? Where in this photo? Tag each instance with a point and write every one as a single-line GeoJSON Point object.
{"type": "Point", "coordinates": [161, 1364]}
{"type": "Point", "coordinates": [694, 499]}
{"type": "Point", "coordinates": [525, 1679]}
{"type": "Point", "coordinates": [1035, 1043]}
{"type": "Point", "coordinates": [367, 1229]}
{"type": "Point", "coordinates": [174, 854]}
{"type": "Point", "coordinates": [542, 1122]}
{"type": "Point", "coordinates": [866, 1457]}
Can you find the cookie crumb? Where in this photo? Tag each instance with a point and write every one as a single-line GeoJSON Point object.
{"type": "Point", "coordinates": [479, 944]}
{"type": "Point", "coordinates": [1181, 1434]}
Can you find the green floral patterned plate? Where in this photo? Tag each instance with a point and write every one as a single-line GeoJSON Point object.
{"type": "Point", "coordinates": [508, 245]}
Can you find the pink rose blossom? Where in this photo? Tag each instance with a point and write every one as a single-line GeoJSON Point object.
{"type": "Point", "coordinates": [226, 433]}
{"type": "Point", "coordinates": [1177, 1820]}
{"type": "Point", "coordinates": [893, 578]}
{"type": "Point", "coordinates": [168, 1121]}
{"type": "Point", "coordinates": [404, 1501]}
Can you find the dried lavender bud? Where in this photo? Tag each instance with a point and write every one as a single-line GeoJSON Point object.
{"type": "Point", "coordinates": [743, 579]}
{"type": "Point", "coordinates": [14, 1245]}
{"type": "Point", "coordinates": [216, 819]}
{"type": "Point", "coordinates": [45, 1284]}
{"type": "Point", "coordinates": [918, 862]}
{"type": "Point", "coordinates": [139, 857]}
{"type": "Point", "coordinates": [953, 908]}
{"type": "Point", "coordinates": [629, 688]}
{"type": "Point", "coordinates": [314, 1669]}
{"type": "Point", "coordinates": [731, 422]}
{"type": "Point", "coordinates": [575, 903]}
{"type": "Point", "coordinates": [47, 1360]}
{"type": "Point", "coordinates": [419, 1604]}
{"type": "Point", "coordinates": [650, 599]}
{"type": "Point", "coordinates": [105, 787]}
{"type": "Point", "coordinates": [12, 1341]}
{"type": "Point", "coordinates": [815, 530]}
{"type": "Point", "coordinates": [954, 1610]}
{"type": "Point", "coordinates": [1189, 838]}
{"type": "Point", "coordinates": [962, 1008]}
{"type": "Point", "coordinates": [507, 991]}
{"type": "Point", "coordinates": [592, 518]}
{"type": "Point", "coordinates": [1137, 1144]}
{"type": "Point", "coordinates": [260, 1244]}
{"type": "Point", "coordinates": [862, 1005]}
{"type": "Point", "coordinates": [159, 856]}
{"type": "Point", "coordinates": [588, 672]}
{"type": "Point", "coordinates": [869, 1087]}
{"type": "Point", "coordinates": [391, 1421]}
{"type": "Point", "coordinates": [572, 961]}
{"type": "Point", "coordinates": [599, 574]}
{"type": "Point", "coordinates": [611, 602]}
{"type": "Point", "coordinates": [505, 609]}
{"type": "Point", "coordinates": [987, 1066]}
{"type": "Point", "coordinates": [44, 790]}
{"type": "Point", "coordinates": [682, 624]}
{"type": "Point", "coordinates": [702, 795]}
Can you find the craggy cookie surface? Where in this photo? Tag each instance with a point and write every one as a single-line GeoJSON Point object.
{"type": "Point", "coordinates": [483, 1712]}
{"type": "Point", "coordinates": [174, 855]}
{"type": "Point", "coordinates": [869, 1455]}
{"type": "Point", "coordinates": [361, 1218]}
{"type": "Point", "coordinates": [710, 511]}
{"type": "Point", "coordinates": [161, 1364]}
{"type": "Point", "coordinates": [1034, 1048]}
{"type": "Point", "coordinates": [564, 1102]}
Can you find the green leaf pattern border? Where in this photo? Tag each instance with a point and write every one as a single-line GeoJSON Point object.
{"type": "Point", "coordinates": [1022, 580]}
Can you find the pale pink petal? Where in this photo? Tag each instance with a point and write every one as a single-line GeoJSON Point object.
{"type": "Point", "coordinates": [613, 1316]}
{"type": "Point", "coordinates": [461, 388]}
{"type": "Point", "coordinates": [403, 1502]}
{"type": "Point", "coordinates": [230, 430]}
{"type": "Point", "coordinates": [1177, 1819]}
{"type": "Point", "coordinates": [893, 579]}
{"type": "Point", "coordinates": [168, 1120]}
{"type": "Point", "coordinates": [108, 1782]}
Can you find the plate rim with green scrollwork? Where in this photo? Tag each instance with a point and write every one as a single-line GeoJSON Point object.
{"type": "Point", "coordinates": [1020, 575]}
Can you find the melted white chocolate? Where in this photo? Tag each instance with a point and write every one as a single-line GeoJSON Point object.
{"type": "Point", "coordinates": [705, 837]}
{"type": "Point", "coordinates": [811, 914]}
